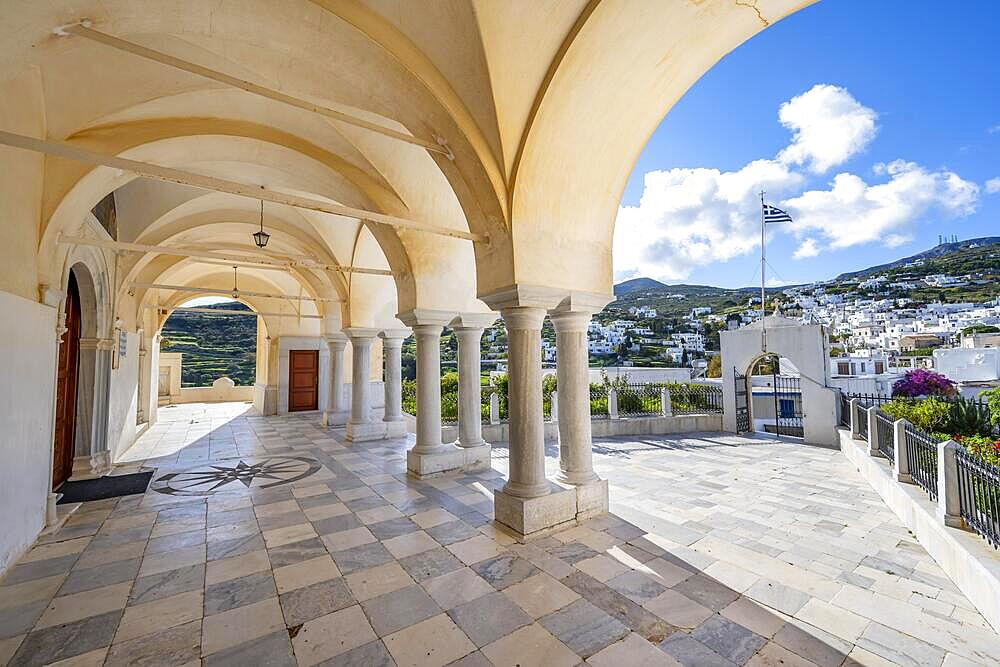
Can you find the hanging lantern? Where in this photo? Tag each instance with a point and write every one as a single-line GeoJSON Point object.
{"type": "Point", "coordinates": [236, 291]}
{"type": "Point", "coordinates": [261, 238]}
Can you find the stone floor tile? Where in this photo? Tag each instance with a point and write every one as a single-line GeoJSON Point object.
{"type": "Point", "coordinates": [348, 539]}
{"type": "Point", "coordinates": [361, 558]}
{"type": "Point", "coordinates": [399, 609]}
{"type": "Point", "coordinates": [378, 514]}
{"type": "Point", "coordinates": [859, 657]}
{"type": "Point", "coordinates": [274, 509]}
{"type": "Point", "coordinates": [814, 644]}
{"type": "Point", "coordinates": [149, 617]}
{"type": "Point", "coordinates": [39, 569]}
{"type": "Point", "coordinates": [540, 594]}
{"type": "Point", "coordinates": [393, 528]}
{"type": "Point", "coordinates": [488, 618]}
{"type": "Point", "coordinates": [167, 584]}
{"type": "Point", "coordinates": [326, 511]}
{"type": "Point", "coordinates": [773, 594]}
{"type": "Point", "coordinates": [602, 567]}
{"type": "Point", "coordinates": [505, 570]}
{"type": "Point", "coordinates": [707, 592]}
{"type": "Point", "coordinates": [95, 658]}
{"type": "Point", "coordinates": [835, 620]}
{"type": "Point", "coordinates": [69, 608]}
{"type": "Point", "coordinates": [327, 636]}
{"type": "Point", "coordinates": [616, 605]}
{"type": "Point", "coordinates": [372, 654]}
{"type": "Point", "coordinates": [636, 586]}
{"type": "Point", "coordinates": [775, 655]}
{"type": "Point", "coordinates": [688, 651]}
{"type": "Point", "coordinates": [677, 609]}
{"type": "Point", "coordinates": [288, 534]}
{"type": "Point", "coordinates": [584, 628]}
{"type": "Point", "coordinates": [572, 552]}
{"type": "Point", "coordinates": [305, 573]}
{"type": "Point", "coordinates": [730, 640]}
{"type": "Point", "coordinates": [410, 544]}
{"type": "Point", "coordinates": [59, 642]}
{"type": "Point", "coordinates": [235, 546]}
{"type": "Point", "coordinates": [432, 517]}
{"type": "Point", "coordinates": [436, 641]}
{"type": "Point", "coordinates": [754, 616]}
{"type": "Point", "coordinates": [234, 567]}
{"type": "Point", "coordinates": [296, 552]}
{"type": "Point", "coordinates": [171, 560]}
{"type": "Point", "coordinates": [234, 593]}
{"type": "Point", "coordinates": [8, 647]}
{"type": "Point", "coordinates": [91, 557]}
{"type": "Point", "coordinates": [633, 651]}
{"type": "Point", "coordinates": [475, 549]}
{"type": "Point", "coordinates": [177, 541]}
{"type": "Point", "coordinates": [430, 564]}
{"type": "Point", "coordinates": [97, 577]}
{"type": "Point", "coordinates": [56, 549]}
{"type": "Point", "coordinates": [337, 524]}
{"type": "Point", "coordinates": [896, 647]}
{"type": "Point", "coordinates": [372, 582]}
{"type": "Point", "coordinates": [173, 646]}
{"type": "Point", "coordinates": [18, 620]}
{"type": "Point", "coordinates": [240, 625]}
{"type": "Point", "coordinates": [315, 600]}
{"type": "Point", "coordinates": [451, 532]}
{"type": "Point", "coordinates": [530, 645]}
{"type": "Point", "coordinates": [458, 587]}
{"type": "Point", "coordinates": [273, 650]}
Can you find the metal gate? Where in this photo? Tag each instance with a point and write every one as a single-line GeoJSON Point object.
{"type": "Point", "coordinates": [787, 404]}
{"type": "Point", "coordinates": [742, 403]}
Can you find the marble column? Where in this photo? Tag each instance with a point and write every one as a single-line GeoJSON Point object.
{"type": "Point", "coordinates": [392, 354]}
{"type": "Point", "coordinates": [335, 413]}
{"type": "Point", "coordinates": [527, 436]}
{"type": "Point", "coordinates": [428, 389]}
{"type": "Point", "coordinates": [470, 411]}
{"type": "Point", "coordinates": [361, 427]}
{"type": "Point", "coordinates": [576, 461]}
{"type": "Point", "coordinates": [100, 454]}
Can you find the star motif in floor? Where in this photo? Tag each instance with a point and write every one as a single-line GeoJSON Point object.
{"type": "Point", "coordinates": [264, 473]}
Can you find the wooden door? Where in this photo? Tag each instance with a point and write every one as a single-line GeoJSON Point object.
{"type": "Point", "coordinates": [66, 385]}
{"type": "Point", "coordinates": [303, 380]}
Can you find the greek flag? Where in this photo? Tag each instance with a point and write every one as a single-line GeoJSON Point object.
{"type": "Point", "coordinates": [772, 214]}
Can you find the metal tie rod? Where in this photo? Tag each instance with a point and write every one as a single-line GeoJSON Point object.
{"type": "Point", "coordinates": [258, 192]}
{"type": "Point", "coordinates": [229, 292]}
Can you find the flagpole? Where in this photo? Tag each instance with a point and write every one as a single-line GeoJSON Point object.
{"type": "Point", "coordinates": [763, 313]}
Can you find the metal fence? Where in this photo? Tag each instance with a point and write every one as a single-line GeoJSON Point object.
{"type": "Point", "coordinates": [861, 414]}
{"type": "Point", "coordinates": [868, 400]}
{"type": "Point", "coordinates": [639, 400]}
{"type": "Point", "coordinates": [598, 401]}
{"type": "Point", "coordinates": [886, 434]}
{"type": "Point", "coordinates": [845, 411]}
{"type": "Point", "coordinates": [979, 492]}
{"type": "Point", "coordinates": [922, 457]}
{"type": "Point", "coordinates": [689, 399]}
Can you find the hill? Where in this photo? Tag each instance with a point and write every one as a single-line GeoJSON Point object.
{"type": "Point", "coordinates": [637, 285]}
{"type": "Point", "coordinates": [940, 251]}
{"type": "Point", "coordinates": [213, 345]}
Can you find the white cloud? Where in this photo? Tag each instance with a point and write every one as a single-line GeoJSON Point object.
{"type": "Point", "coordinates": [690, 217]}
{"type": "Point", "coordinates": [808, 248]}
{"type": "Point", "coordinates": [853, 212]}
{"type": "Point", "coordinates": [828, 127]}
{"type": "Point", "coordinates": [993, 185]}
{"type": "Point", "coordinates": [993, 130]}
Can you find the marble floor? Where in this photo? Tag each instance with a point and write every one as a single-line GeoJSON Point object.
{"type": "Point", "coordinates": [269, 541]}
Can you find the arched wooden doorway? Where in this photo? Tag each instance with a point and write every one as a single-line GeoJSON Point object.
{"type": "Point", "coordinates": [66, 388]}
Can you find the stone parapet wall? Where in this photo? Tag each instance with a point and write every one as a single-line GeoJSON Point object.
{"type": "Point", "coordinates": [607, 427]}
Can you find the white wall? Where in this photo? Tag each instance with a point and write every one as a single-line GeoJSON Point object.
{"type": "Point", "coordinates": [27, 394]}
{"type": "Point", "coordinates": [968, 364]}
{"type": "Point", "coordinates": [123, 399]}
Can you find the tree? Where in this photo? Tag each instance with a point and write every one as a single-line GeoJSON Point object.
{"type": "Point", "coordinates": [980, 329]}
{"type": "Point", "coordinates": [714, 369]}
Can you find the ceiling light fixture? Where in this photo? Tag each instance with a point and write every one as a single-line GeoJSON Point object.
{"type": "Point", "coordinates": [236, 291]}
{"type": "Point", "coordinates": [261, 238]}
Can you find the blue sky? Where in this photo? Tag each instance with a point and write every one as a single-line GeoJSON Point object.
{"type": "Point", "coordinates": [896, 96]}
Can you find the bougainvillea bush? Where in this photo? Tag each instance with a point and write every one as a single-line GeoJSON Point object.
{"type": "Point", "coordinates": [922, 382]}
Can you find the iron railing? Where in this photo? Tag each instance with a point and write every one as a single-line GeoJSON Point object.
{"type": "Point", "coordinates": [886, 435]}
{"type": "Point", "coordinates": [598, 401]}
{"type": "Point", "coordinates": [868, 400]}
{"type": "Point", "coordinates": [922, 459]}
{"type": "Point", "coordinates": [845, 411]}
{"type": "Point", "coordinates": [690, 399]}
{"type": "Point", "coordinates": [979, 492]}
{"type": "Point", "coordinates": [861, 414]}
{"type": "Point", "coordinates": [638, 400]}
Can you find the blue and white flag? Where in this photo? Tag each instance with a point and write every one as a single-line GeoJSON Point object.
{"type": "Point", "coordinates": [772, 214]}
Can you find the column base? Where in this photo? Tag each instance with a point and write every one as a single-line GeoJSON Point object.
{"type": "Point", "coordinates": [365, 431]}
{"type": "Point", "coordinates": [395, 429]}
{"type": "Point", "coordinates": [563, 507]}
{"type": "Point", "coordinates": [448, 459]}
{"type": "Point", "coordinates": [951, 520]}
{"type": "Point", "coordinates": [335, 419]}
{"type": "Point", "coordinates": [100, 463]}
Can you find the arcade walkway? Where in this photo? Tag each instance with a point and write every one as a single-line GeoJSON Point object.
{"type": "Point", "coordinates": [269, 541]}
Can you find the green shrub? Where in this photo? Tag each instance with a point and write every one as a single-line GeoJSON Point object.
{"type": "Point", "coordinates": [969, 418]}
{"type": "Point", "coordinates": [449, 383]}
{"type": "Point", "coordinates": [992, 397]}
{"type": "Point", "coordinates": [985, 447]}
{"type": "Point", "coordinates": [931, 414]}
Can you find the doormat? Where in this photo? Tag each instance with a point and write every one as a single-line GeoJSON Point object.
{"type": "Point", "coordinates": [104, 487]}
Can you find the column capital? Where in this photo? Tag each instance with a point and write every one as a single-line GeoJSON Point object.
{"type": "Point", "coordinates": [50, 296]}
{"type": "Point", "coordinates": [570, 321]}
{"type": "Point", "coordinates": [105, 344]}
{"type": "Point", "coordinates": [549, 298]}
{"type": "Point", "coordinates": [394, 337]}
{"type": "Point", "coordinates": [426, 316]}
{"type": "Point", "coordinates": [472, 321]}
{"type": "Point", "coordinates": [360, 333]}
{"type": "Point", "coordinates": [336, 341]}
{"type": "Point", "coordinates": [523, 317]}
